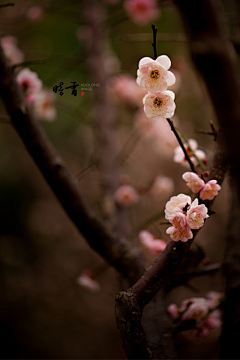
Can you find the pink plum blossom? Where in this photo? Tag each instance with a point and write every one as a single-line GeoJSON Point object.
{"type": "Point", "coordinates": [153, 75]}
{"type": "Point", "coordinates": [29, 81]}
{"type": "Point", "coordinates": [210, 190]}
{"type": "Point", "coordinates": [159, 104]}
{"type": "Point", "coordinates": [196, 215]}
{"type": "Point", "coordinates": [172, 310]}
{"type": "Point", "coordinates": [197, 309]}
{"type": "Point", "coordinates": [214, 320]}
{"type": "Point", "coordinates": [179, 156]}
{"type": "Point", "coordinates": [44, 105]}
{"type": "Point", "coordinates": [126, 195]}
{"type": "Point", "coordinates": [156, 246]}
{"type": "Point", "coordinates": [142, 11]}
{"type": "Point", "coordinates": [86, 280]}
{"type": "Point", "coordinates": [194, 182]}
{"type": "Point", "coordinates": [157, 132]}
{"type": "Point", "coordinates": [35, 13]}
{"type": "Point", "coordinates": [161, 186]}
{"type": "Point", "coordinates": [207, 190]}
{"type": "Point", "coordinates": [10, 49]}
{"type": "Point", "coordinates": [125, 90]}
{"type": "Point", "coordinates": [179, 234]}
{"type": "Point", "coordinates": [214, 298]}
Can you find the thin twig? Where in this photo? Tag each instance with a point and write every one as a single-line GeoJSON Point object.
{"type": "Point", "coordinates": [182, 146]}
{"type": "Point", "coordinates": [154, 43]}
{"type": "Point", "coordinates": [201, 164]}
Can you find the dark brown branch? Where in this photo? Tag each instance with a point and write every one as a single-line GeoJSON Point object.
{"type": "Point", "coordinates": [126, 259]}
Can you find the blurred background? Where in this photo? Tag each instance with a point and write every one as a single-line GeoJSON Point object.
{"type": "Point", "coordinates": [44, 311]}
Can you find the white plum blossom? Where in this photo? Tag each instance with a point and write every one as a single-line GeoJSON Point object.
{"type": "Point", "coordinates": [156, 246]}
{"type": "Point", "coordinates": [153, 75]}
{"type": "Point", "coordinates": [159, 104]}
{"type": "Point", "coordinates": [126, 195]}
{"type": "Point", "coordinates": [184, 216]}
{"type": "Point", "coordinates": [179, 156]}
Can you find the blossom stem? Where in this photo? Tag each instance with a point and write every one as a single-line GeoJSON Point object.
{"type": "Point", "coordinates": [154, 43]}
{"type": "Point", "coordinates": [182, 146]}
{"type": "Point", "coordinates": [201, 164]}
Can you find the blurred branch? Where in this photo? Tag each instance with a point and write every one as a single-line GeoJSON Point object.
{"type": "Point", "coordinates": [128, 147]}
{"type": "Point", "coordinates": [29, 62]}
{"type": "Point", "coordinates": [7, 4]}
{"type": "Point", "coordinates": [116, 250]}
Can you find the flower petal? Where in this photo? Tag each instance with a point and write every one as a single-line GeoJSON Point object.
{"type": "Point", "coordinates": [171, 79]}
{"type": "Point", "coordinates": [164, 61]}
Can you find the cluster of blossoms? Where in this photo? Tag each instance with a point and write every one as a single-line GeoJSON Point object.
{"type": "Point", "coordinates": [205, 312]}
{"type": "Point", "coordinates": [208, 190]}
{"type": "Point", "coordinates": [41, 99]}
{"type": "Point", "coordinates": [184, 215]}
{"type": "Point", "coordinates": [153, 76]}
{"type": "Point", "coordinates": [192, 151]}
{"type": "Point", "coordinates": [154, 245]}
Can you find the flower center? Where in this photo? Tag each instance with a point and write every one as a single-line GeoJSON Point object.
{"type": "Point", "coordinates": [154, 74]}
{"type": "Point", "coordinates": [157, 102]}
